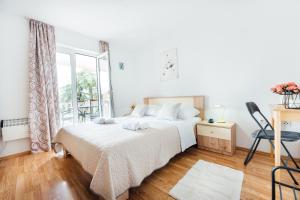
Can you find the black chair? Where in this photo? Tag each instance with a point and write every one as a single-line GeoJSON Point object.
{"type": "Point", "coordinates": [280, 184]}
{"type": "Point", "coordinates": [265, 133]}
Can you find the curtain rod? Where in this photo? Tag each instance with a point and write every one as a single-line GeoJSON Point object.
{"type": "Point", "coordinates": [29, 18]}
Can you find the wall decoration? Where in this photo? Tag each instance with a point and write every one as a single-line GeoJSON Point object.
{"type": "Point", "coordinates": [169, 68]}
{"type": "Point", "coordinates": [121, 66]}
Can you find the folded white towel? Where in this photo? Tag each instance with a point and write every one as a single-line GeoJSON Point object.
{"type": "Point", "coordinates": [99, 120]}
{"type": "Point", "coordinates": [134, 126]}
{"type": "Point", "coordinates": [102, 120]}
{"type": "Point", "coordinates": [131, 126]}
{"type": "Point", "coordinates": [109, 121]}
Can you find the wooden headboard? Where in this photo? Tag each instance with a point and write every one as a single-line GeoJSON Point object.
{"type": "Point", "coordinates": [196, 101]}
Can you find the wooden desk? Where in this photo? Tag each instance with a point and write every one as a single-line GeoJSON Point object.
{"type": "Point", "coordinates": [279, 114]}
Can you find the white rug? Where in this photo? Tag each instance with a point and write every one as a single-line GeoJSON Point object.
{"type": "Point", "coordinates": [209, 181]}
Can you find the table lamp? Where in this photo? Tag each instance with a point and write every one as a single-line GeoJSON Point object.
{"type": "Point", "coordinates": [219, 111]}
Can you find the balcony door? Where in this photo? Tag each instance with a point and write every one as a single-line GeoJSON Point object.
{"type": "Point", "coordinates": [65, 89]}
{"type": "Point", "coordinates": [88, 104]}
{"type": "Point", "coordinates": [83, 82]}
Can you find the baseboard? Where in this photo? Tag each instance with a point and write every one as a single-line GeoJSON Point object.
{"type": "Point", "coordinates": [15, 155]}
{"type": "Point", "coordinates": [257, 151]}
{"type": "Point", "coordinates": [263, 153]}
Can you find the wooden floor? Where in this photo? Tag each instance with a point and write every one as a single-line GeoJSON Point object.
{"type": "Point", "coordinates": [48, 176]}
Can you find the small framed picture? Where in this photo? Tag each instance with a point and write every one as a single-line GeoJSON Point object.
{"type": "Point", "coordinates": [169, 67]}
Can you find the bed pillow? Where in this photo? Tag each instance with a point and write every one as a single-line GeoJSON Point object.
{"type": "Point", "coordinates": [168, 111]}
{"type": "Point", "coordinates": [187, 111]}
{"type": "Point", "coordinates": [139, 110]}
{"type": "Point", "coordinates": [152, 110]}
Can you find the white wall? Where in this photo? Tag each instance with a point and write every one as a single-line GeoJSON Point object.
{"type": "Point", "coordinates": [127, 88]}
{"type": "Point", "coordinates": [13, 75]}
{"type": "Point", "coordinates": [75, 40]}
{"type": "Point", "coordinates": [14, 70]}
{"type": "Point", "coordinates": [231, 54]}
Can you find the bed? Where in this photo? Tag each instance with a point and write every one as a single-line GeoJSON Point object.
{"type": "Point", "coordinates": [119, 159]}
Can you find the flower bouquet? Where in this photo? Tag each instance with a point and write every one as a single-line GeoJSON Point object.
{"type": "Point", "coordinates": [290, 92]}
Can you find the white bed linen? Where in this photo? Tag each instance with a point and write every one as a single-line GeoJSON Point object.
{"type": "Point", "coordinates": [186, 131]}
{"type": "Point", "coordinates": [119, 159]}
{"type": "Point", "coordinates": [185, 128]}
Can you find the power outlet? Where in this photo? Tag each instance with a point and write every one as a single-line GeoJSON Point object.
{"type": "Point", "coordinates": [286, 123]}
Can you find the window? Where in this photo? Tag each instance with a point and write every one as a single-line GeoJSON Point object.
{"type": "Point", "coordinates": [84, 86]}
{"type": "Point", "coordinates": [87, 88]}
{"type": "Point", "coordinates": [64, 79]}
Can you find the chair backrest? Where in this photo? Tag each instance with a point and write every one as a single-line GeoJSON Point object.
{"type": "Point", "coordinates": [253, 108]}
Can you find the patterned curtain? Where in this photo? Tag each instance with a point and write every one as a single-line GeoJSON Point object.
{"type": "Point", "coordinates": [43, 91]}
{"type": "Point", "coordinates": [104, 47]}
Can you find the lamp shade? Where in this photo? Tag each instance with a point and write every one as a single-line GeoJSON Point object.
{"type": "Point", "coordinates": [219, 111]}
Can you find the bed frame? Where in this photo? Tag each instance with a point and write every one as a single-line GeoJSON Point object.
{"type": "Point", "coordinates": [196, 101]}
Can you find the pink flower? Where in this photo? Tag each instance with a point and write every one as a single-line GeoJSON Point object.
{"type": "Point", "coordinates": [286, 88]}
{"type": "Point", "coordinates": [273, 89]}
{"type": "Point", "coordinates": [282, 85]}
{"type": "Point", "coordinates": [279, 89]}
{"type": "Point", "coordinates": [291, 84]}
{"type": "Point", "coordinates": [292, 87]}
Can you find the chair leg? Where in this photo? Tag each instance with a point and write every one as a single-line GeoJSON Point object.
{"type": "Point", "coordinates": [272, 144]}
{"type": "Point", "coordinates": [289, 155]}
{"type": "Point", "coordinates": [254, 150]}
{"type": "Point", "coordinates": [290, 173]}
{"type": "Point", "coordinates": [251, 151]}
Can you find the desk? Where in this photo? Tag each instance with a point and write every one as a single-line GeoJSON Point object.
{"type": "Point", "coordinates": [279, 114]}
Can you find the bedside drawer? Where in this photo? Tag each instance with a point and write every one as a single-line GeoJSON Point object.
{"type": "Point", "coordinates": [216, 132]}
{"type": "Point", "coordinates": [209, 143]}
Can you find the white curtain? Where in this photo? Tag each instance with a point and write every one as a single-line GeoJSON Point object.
{"type": "Point", "coordinates": [104, 47]}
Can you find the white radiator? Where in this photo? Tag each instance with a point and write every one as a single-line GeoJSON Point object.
{"type": "Point", "coordinates": [14, 129]}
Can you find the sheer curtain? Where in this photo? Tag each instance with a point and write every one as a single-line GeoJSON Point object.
{"type": "Point", "coordinates": [43, 91]}
{"type": "Point", "coordinates": [104, 47]}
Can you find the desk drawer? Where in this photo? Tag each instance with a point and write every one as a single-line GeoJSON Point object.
{"type": "Point", "coordinates": [216, 132]}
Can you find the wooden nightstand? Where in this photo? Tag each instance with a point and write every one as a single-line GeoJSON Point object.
{"type": "Point", "coordinates": [217, 137]}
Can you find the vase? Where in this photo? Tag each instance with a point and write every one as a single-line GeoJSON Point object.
{"type": "Point", "coordinates": [291, 101]}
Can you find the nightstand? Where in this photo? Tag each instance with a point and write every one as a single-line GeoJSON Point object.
{"type": "Point", "coordinates": [217, 137]}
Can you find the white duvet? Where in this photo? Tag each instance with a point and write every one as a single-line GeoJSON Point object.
{"type": "Point", "coordinates": [119, 159]}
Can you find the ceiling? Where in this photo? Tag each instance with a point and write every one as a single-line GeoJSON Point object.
{"type": "Point", "coordinates": [112, 19]}
{"type": "Point", "coordinates": [140, 20]}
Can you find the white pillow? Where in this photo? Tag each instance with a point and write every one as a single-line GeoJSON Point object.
{"type": "Point", "coordinates": [99, 120]}
{"type": "Point", "coordinates": [152, 110]}
{"type": "Point", "coordinates": [139, 110]}
{"type": "Point", "coordinates": [168, 111]}
{"type": "Point", "coordinates": [187, 111]}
